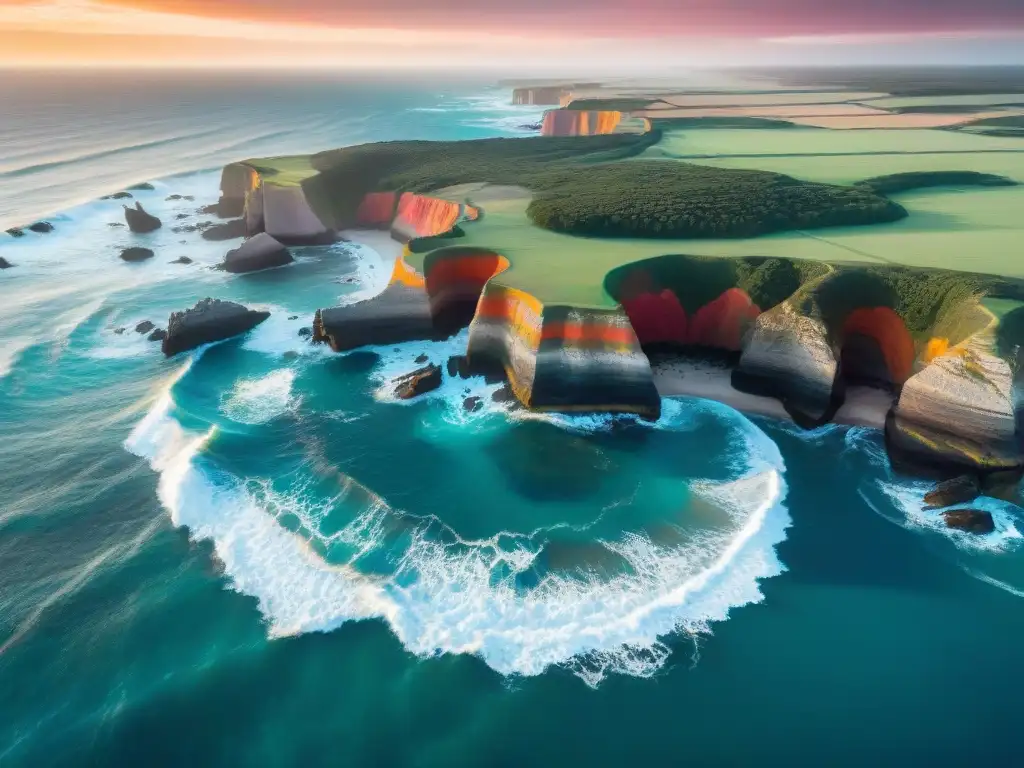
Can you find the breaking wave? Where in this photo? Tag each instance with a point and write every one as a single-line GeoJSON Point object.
{"type": "Point", "coordinates": [316, 561]}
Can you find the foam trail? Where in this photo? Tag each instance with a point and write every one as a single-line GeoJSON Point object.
{"type": "Point", "coordinates": [257, 401]}
{"type": "Point", "coordinates": [10, 352]}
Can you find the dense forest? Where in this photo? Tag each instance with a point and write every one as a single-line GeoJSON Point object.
{"type": "Point", "coordinates": [904, 182]}
{"type": "Point", "coordinates": [578, 190]}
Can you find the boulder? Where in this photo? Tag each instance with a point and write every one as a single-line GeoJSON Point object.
{"type": "Point", "coordinates": [228, 231]}
{"type": "Point", "coordinates": [143, 187]}
{"type": "Point", "coordinates": [472, 404]}
{"type": "Point", "coordinates": [181, 216]}
{"type": "Point", "coordinates": [136, 254]}
{"type": "Point", "coordinates": [182, 260]}
{"type": "Point", "coordinates": [949, 493]}
{"type": "Point", "coordinates": [306, 333]}
{"type": "Point", "coordinates": [293, 317]}
{"type": "Point", "coordinates": [120, 331]}
{"type": "Point", "coordinates": [158, 334]}
{"type": "Point", "coordinates": [139, 221]}
{"type": "Point", "coordinates": [969, 520]}
{"type": "Point", "coordinates": [208, 321]}
{"type": "Point", "coordinates": [418, 382]}
{"type": "Point", "coordinates": [15, 232]}
{"type": "Point", "coordinates": [422, 359]}
{"type": "Point", "coordinates": [4, 263]}
{"type": "Point", "coordinates": [118, 196]}
{"type": "Point", "coordinates": [502, 394]}
{"type": "Point", "coordinates": [180, 197]}
{"type": "Point", "coordinates": [259, 252]}
{"type": "Point", "coordinates": [144, 327]}
{"type": "Point", "coordinates": [41, 227]}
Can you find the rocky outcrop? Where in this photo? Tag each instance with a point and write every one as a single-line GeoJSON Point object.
{"type": "Point", "coordinates": [788, 356]}
{"type": "Point", "coordinates": [142, 187]}
{"type": "Point", "coordinates": [15, 232]}
{"type": "Point", "coordinates": [231, 230]}
{"type": "Point", "coordinates": [139, 220]}
{"type": "Point", "coordinates": [4, 263]}
{"type": "Point", "coordinates": [970, 520]}
{"type": "Point", "coordinates": [158, 334]}
{"type": "Point", "coordinates": [400, 313]}
{"type": "Point", "coordinates": [136, 253]}
{"type": "Point", "coordinates": [182, 260]}
{"type": "Point", "coordinates": [236, 181]}
{"type": "Point", "coordinates": [956, 416]}
{"type": "Point", "coordinates": [144, 327]}
{"type": "Point", "coordinates": [118, 196]}
{"type": "Point", "coordinates": [41, 227]}
{"type": "Point", "coordinates": [259, 252]}
{"type": "Point", "coordinates": [949, 493]}
{"type": "Point", "coordinates": [418, 382]}
{"type": "Point", "coordinates": [208, 321]}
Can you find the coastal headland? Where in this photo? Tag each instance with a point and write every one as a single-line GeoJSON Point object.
{"type": "Point", "coordinates": [579, 257]}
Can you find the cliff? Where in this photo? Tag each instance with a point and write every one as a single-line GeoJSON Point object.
{"type": "Point", "coordinates": [574, 122]}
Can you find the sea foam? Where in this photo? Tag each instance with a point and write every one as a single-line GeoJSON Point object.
{"type": "Point", "coordinates": [443, 596]}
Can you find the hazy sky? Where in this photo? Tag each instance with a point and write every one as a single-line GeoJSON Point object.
{"type": "Point", "coordinates": [522, 35]}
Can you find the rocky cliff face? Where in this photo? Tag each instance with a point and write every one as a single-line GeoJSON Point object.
{"type": "Point", "coordinates": [659, 319]}
{"type": "Point", "coordinates": [541, 95]}
{"type": "Point", "coordinates": [957, 414]}
{"type": "Point", "coordinates": [423, 216]}
{"type": "Point", "coordinates": [788, 356]}
{"type": "Point", "coordinates": [377, 210]}
{"type": "Point", "coordinates": [282, 211]}
{"type": "Point", "coordinates": [573, 122]}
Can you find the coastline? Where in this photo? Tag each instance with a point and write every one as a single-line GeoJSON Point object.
{"type": "Point", "coordinates": [864, 406]}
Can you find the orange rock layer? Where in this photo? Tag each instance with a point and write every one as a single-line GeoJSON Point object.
{"type": "Point", "coordinates": [377, 210]}
{"type": "Point", "coordinates": [422, 216]}
{"type": "Point", "coordinates": [569, 122]}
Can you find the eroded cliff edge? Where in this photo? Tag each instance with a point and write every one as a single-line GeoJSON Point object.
{"type": "Point", "coordinates": [796, 331]}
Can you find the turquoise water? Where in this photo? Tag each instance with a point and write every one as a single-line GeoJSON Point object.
{"type": "Point", "coordinates": [251, 555]}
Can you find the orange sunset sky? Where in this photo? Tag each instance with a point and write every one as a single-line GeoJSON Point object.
{"type": "Point", "coordinates": [523, 34]}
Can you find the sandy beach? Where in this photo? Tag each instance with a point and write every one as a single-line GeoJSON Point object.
{"type": "Point", "coordinates": [864, 406]}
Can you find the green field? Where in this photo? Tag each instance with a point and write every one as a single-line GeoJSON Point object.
{"type": "Point", "coordinates": [974, 100]}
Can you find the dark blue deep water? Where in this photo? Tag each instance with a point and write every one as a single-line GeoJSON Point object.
{"type": "Point", "coordinates": [251, 555]}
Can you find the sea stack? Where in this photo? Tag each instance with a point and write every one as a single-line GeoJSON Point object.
{"type": "Point", "coordinates": [208, 321]}
{"type": "Point", "coordinates": [139, 221]}
{"type": "Point", "coordinates": [259, 252]}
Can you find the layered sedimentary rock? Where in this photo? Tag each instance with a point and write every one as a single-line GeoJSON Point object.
{"type": "Point", "coordinates": [571, 122]}
{"type": "Point", "coordinates": [400, 313]}
{"type": "Point", "coordinates": [259, 252]}
{"type": "Point", "coordinates": [208, 321]}
{"type": "Point", "coordinates": [956, 415]}
{"type": "Point", "coordinates": [563, 358]}
{"type": "Point", "coordinates": [423, 216]}
{"type": "Point", "coordinates": [788, 356]}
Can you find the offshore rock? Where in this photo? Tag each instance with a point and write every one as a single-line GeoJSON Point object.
{"type": "Point", "coordinates": [259, 252]}
{"type": "Point", "coordinates": [969, 520]}
{"type": "Point", "coordinates": [472, 404]}
{"type": "Point", "coordinates": [139, 220]}
{"type": "Point", "coordinates": [788, 356]}
{"type": "Point", "coordinates": [41, 227]}
{"type": "Point", "coordinates": [949, 493]}
{"type": "Point", "coordinates": [182, 260]}
{"type": "Point", "coordinates": [118, 196]}
{"type": "Point", "coordinates": [158, 335]}
{"type": "Point", "coordinates": [4, 263]}
{"type": "Point", "coordinates": [15, 232]}
{"type": "Point", "coordinates": [143, 187]}
{"type": "Point", "coordinates": [144, 327]}
{"type": "Point", "coordinates": [228, 231]}
{"type": "Point", "coordinates": [418, 382]}
{"type": "Point", "coordinates": [136, 254]}
{"type": "Point", "coordinates": [208, 321]}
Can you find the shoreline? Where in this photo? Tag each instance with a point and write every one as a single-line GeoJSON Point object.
{"type": "Point", "coordinates": [863, 407]}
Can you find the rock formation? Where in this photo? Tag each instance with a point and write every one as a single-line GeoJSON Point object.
{"type": "Point", "coordinates": [158, 334]}
{"type": "Point", "coordinates": [418, 382]}
{"type": "Point", "coordinates": [230, 230]}
{"type": "Point", "coordinates": [789, 357]}
{"type": "Point", "coordinates": [208, 321]}
{"type": "Point", "coordinates": [143, 187]}
{"type": "Point", "coordinates": [574, 122]}
{"type": "Point", "coordinates": [4, 263]}
{"type": "Point", "coordinates": [970, 520]}
{"type": "Point", "coordinates": [118, 196]}
{"type": "Point", "coordinates": [15, 232]}
{"type": "Point", "coordinates": [144, 327]}
{"type": "Point", "coordinates": [958, 490]}
{"type": "Point", "coordinates": [182, 260]}
{"type": "Point", "coordinates": [41, 227]}
{"type": "Point", "coordinates": [288, 217]}
{"type": "Point", "coordinates": [139, 220]}
{"type": "Point", "coordinates": [259, 252]}
{"type": "Point", "coordinates": [136, 253]}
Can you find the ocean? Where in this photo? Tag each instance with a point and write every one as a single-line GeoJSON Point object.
{"type": "Point", "coordinates": [252, 554]}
